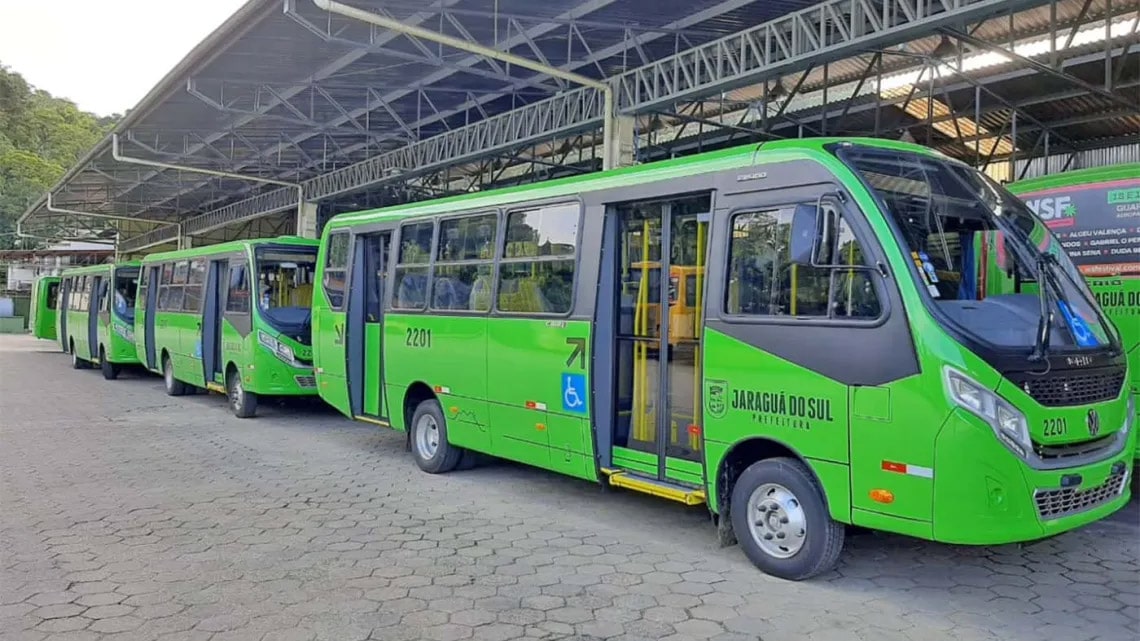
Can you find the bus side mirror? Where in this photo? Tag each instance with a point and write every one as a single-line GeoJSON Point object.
{"type": "Point", "coordinates": [805, 232]}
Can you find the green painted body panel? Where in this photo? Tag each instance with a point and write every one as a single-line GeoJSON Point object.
{"type": "Point", "coordinates": [115, 334]}
{"type": "Point", "coordinates": [1118, 295]}
{"type": "Point", "coordinates": [179, 334]}
{"type": "Point", "coordinates": [486, 369]}
{"type": "Point", "coordinates": [42, 313]}
{"type": "Point", "coordinates": [636, 460]}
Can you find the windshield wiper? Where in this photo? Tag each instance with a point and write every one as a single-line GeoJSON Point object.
{"type": "Point", "coordinates": [1045, 322]}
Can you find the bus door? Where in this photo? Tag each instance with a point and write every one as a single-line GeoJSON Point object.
{"type": "Point", "coordinates": [149, 314]}
{"type": "Point", "coordinates": [216, 279]}
{"type": "Point", "coordinates": [95, 314]}
{"type": "Point", "coordinates": [364, 329]}
{"type": "Point", "coordinates": [656, 414]}
{"type": "Point", "coordinates": [64, 305]}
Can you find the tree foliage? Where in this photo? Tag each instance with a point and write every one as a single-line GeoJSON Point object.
{"type": "Point", "coordinates": [40, 137]}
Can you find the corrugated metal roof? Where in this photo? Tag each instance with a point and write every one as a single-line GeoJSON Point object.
{"type": "Point", "coordinates": [252, 98]}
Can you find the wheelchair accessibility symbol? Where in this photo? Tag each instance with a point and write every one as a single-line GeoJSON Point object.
{"type": "Point", "coordinates": [574, 393]}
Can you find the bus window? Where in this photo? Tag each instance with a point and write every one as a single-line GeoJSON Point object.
{"type": "Point", "coordinates": [126, 289]}
{"type": "Point", "coordinates": [285, 288]}
{"type": "Point", "coordinates": [285, 277]}
{"type": "Point", "coordinates": [412, 265]}
{"type": "Point", "coordinates": [237, 296]}
{"type": "Point", "coordinates": [763, 282]}
{"type": "Point", "coordinates": [178, 286]}
{"type": "Point", "coordinates": [53, 295]}
{"type": "Point", "coordinates": [462, 274]}
{"type": "Point", "coordinates": [192, 299]}
{"type": "Point", "coordinates": [536, 273]}
{"type": "Point", "coordinates": [336, 265]}
{"type": "Point", "coordinates": [164, 280]}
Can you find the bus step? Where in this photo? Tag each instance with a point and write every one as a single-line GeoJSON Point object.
{"type": "Point", "coordinates": [661, 489]}
{"type": "Point", "coordinates": [215, 387]}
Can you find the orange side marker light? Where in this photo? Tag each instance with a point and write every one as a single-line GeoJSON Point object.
{"type": "Point", "coordinates": [880, 495]}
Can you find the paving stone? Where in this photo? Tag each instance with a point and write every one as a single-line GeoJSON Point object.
{"type": "Point", "coordinates": [174, 521]}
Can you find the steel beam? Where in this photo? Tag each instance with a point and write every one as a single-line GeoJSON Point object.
{"type": "Point", "coordinates": [641, 39]}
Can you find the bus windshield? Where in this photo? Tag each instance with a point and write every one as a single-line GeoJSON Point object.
{"type": "Point", "coordinates": [126, 288]}
{"type": "Point", "coordinates": [285, 288]}
{"type": "Point", "coordinates": [941, 212]}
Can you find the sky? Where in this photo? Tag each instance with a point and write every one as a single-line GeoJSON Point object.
{"type": "Point", "coordinates": [104, 55]}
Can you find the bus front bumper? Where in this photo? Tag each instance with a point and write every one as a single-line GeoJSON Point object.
{"type": "Point", "coordinates": [985, 495]}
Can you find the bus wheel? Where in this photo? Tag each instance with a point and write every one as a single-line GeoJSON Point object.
{"type": "Point", "coordinates": [110, 370]}
{"type": "Point", "coordinates": [76, 362]}
{"type": "Point", "coordinates": [174, 387]}
{"type": "Point", "coordinates": [780, 518]}
{"type": "Point", "coordinates": [430, 448]}
{"type": "Point", "coordinates": [243, 403]}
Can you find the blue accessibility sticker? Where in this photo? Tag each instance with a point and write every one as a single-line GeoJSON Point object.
{"type": "Point", "coordinates": [574, 393]}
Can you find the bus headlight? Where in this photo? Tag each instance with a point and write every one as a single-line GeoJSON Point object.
{"type": "Point", "coordinates": [282, 351]}
{"type": "Point", "coordinates": [1008, 424]}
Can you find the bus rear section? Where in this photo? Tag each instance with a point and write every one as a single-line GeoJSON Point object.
{"type": "Point", "coordinates": [1096, 215]}
{"type": "Point", "coordinates": [231, 318]}
{"type": "Point", "coordinates": [834, 365]}
{"type": "Point", "coordinates": [96, 316]}
{"type": "Point", "coordinates": [44, 308]}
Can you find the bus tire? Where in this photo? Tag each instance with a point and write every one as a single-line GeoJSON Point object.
{"type": "Point", "coordinates": [780, 517]}
{"type": "Point", "coordinates": [430, 448]}
{"type": "Point", "coordinates": [174, 387]}
{"type": "Point", "coordinates": [110, 370]}
{"type": "Point", "coordinates": [76, 362]}
{"type": "Point", "coordinates": [242, 402]}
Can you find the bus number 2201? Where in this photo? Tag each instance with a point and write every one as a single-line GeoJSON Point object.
{"type": "Point", "coordinates": [419, 337]}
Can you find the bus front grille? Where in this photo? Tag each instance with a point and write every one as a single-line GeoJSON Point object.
{"type": "Point", "coordinates": [1083, 449]}
{"type": "Point", "coordinates": [1057, 503]}
{"type": "Point", "coordinates": [1067, 388]}
{"type": "Point", "coordinates": [305, 381]}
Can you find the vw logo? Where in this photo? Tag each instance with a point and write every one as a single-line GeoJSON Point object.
{"type": "Point", "coordinates": [1093, 423]}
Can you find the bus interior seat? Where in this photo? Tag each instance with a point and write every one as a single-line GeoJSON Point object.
{"type": "Point", "coordinates": [411, 294]}
{"type": "Point", "coordinates": [480, 298]}
{"type": "Point", "coordinates": [523, 294]}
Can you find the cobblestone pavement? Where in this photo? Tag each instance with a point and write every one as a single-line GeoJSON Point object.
{"type": "Point", "coordinates": [129, 515]}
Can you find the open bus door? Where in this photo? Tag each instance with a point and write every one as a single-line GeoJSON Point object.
{"type": "Point", "coordinates": [216, 278]}
{"type": "Point", "coordinates": [364, 325]}
{"type": "Point", "coordinates": [62, 307]}
{"type": "Point", "coordinates": [655, 367]}
{"type": "Point", "coordinates": [99, 288]}
{"type": "Point", "coordinates": [148, 319]}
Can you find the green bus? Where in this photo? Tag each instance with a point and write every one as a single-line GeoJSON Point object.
{"type": "Point", "coordinates": [842, 371]}
{"type": "Point", "coordinates": [1096, 215]}
{"type": "Point", "coordinates": [97, 316]}
{"type": "Point", "coordinates": [45, 301]}
{"type": "Point", "coordinates": [231, 318]}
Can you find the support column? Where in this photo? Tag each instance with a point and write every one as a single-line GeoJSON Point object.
{"type": "Point", "coordinates": [307, 220]}
{"type": "Point", "coordinates": [622, 141]}
{"type": "Point", "coordinates": [185, 242]}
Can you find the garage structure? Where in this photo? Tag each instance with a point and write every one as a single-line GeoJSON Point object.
{"type": "Point", "coordinates": [296, 110]}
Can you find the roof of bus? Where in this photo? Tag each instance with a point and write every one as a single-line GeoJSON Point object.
{"type": "Point", "coordinates": [233, 245]}
{"type": "Point", "coordinates": [740, 156]}
{"type": "Point", "coordinates": [95, 269]}
{"type": "Point", "coordinates": [1077, 177]}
